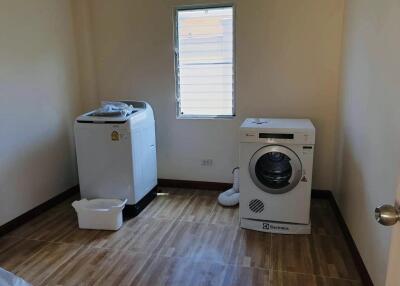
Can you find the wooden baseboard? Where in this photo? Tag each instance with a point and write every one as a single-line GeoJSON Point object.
{"type": "Point", "coordinates": [362, 270]}
{"type": "Point", "coordinates": [320, 194]}
{"type": "Point", "coordinates": [29, 215]}
{"type": "Point", "coordinates": [212, 186]}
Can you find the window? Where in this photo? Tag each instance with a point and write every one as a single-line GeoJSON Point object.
{"type": "Point", "coordinates": [204, 59]}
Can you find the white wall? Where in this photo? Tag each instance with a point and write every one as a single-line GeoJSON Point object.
{"type": "Point", "coordinates": [38, 101]}
{"type": "Point", "coordinates": [83, 42]}
{"type": "Point", "coordinates": [370, 126]}
{"type": "Point", "coordinates": [288, 55]}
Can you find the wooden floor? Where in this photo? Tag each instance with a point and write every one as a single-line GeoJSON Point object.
{"type": "Point", "coordinates": [182, 238]}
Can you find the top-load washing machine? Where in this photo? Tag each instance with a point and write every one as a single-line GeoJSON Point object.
{"type": "Point", "coordinates": [276, 164]}
{"type": "Point", "coordinates": [116, 155]}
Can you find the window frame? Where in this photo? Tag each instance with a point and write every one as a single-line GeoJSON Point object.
{"type": "Point", "coordinates": [176, 60]}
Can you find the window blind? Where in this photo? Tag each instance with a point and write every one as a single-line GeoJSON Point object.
{"type": "Point", "coordinates": [204, 62]}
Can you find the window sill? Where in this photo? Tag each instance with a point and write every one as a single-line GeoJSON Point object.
{"type": "Point", "coordinates": [204, 117]}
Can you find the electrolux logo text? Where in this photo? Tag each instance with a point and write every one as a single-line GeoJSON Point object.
{"type": "Point", "coordinates": [274, 227]}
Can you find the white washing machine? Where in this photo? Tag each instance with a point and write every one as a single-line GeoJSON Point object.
{"type": "Point", "coordinates": [117, 156]}
{"type": "Point", "coordinates": [276, 164]}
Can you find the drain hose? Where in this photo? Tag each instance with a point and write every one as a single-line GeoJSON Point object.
{"type": "Point", "coordinates": [231, 197]}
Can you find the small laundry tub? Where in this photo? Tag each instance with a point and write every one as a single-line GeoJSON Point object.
{"type": "Point", "coordinates": [104, 214]}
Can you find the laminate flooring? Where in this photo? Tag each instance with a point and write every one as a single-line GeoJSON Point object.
{"type": "Point", "coordinates": [182, 238]}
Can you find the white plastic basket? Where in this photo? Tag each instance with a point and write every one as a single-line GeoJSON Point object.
{"type": "Point", "coordinates": [103, 214]}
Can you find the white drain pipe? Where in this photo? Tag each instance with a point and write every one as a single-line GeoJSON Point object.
{"type": "Point", "coordinates": [231, 197]}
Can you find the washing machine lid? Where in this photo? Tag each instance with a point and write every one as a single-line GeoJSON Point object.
{"type": "Point", "coordinates": [114, 118]}
{"type": "Point", "coordinates": [278, 131]}
{"type": "Point", "coordinates": [275, 169]}
{"type": "Point", "coordinates": [276, 125]}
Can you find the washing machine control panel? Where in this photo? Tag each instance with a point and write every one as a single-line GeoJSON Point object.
{"type": "Point", "coordinates": [277, 138]}
{"type": "Point", "coordinates": [277, 131]}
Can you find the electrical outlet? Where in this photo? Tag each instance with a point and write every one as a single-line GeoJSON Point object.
{"type": "Point", "coordinates": [206, 162]}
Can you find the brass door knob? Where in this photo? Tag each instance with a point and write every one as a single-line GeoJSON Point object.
{"type": "Point", "coordinates": [387, 215]}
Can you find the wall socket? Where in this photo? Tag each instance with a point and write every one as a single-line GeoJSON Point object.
{"type": "Point", "coordinates": [206, 162]}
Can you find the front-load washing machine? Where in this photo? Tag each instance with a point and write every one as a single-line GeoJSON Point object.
{"type": "Point", "coordinates": [276, 164]}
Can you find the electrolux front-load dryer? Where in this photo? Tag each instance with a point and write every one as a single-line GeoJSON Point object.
{"type": "Point", "coordinates": [117, 156]}
{"type": "Point", "coordinates": [276, 162]}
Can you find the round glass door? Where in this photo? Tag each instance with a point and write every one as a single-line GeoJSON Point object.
{"type": "Point", "coordinates": [275, 169]}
